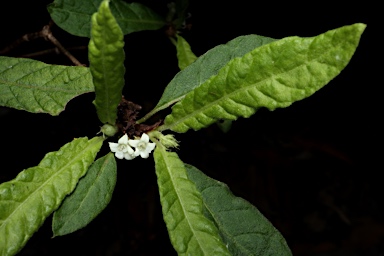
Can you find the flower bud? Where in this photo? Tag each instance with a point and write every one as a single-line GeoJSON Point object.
{"type": "Point", "coordinates": [109, 130]}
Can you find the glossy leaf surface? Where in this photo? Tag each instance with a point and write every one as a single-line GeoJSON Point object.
{"type": "Point", "coordinates": [106, 58]}
{"type": "Point", "coordinates": [190, 232]}
{"type": "Point", "coordinates": [27, 200]}
{"type": "Point", "coordinates": [91, 196]}
{"type": "Point", "coordinates": [244, 229]}
{"type": "Point", "coordinates": [36, 87]}
{"type": "Point", "coordinates": [75, 16]}
{"type": "Point", "coordinates": [271, 76]}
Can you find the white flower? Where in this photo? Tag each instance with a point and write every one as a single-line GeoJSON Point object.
{"type": "Point", "coordinates": [143, 146]}
{"type": "Point", "coordinates": [122, 149]}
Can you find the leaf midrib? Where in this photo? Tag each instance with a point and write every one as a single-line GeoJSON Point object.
{"type": "Point", "coordinates": [41, 88]}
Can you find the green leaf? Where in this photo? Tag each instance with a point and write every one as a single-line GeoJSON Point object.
{"type": "Point", "coordinates": [75, 16]}
{"type": "Point", "coordinates": [106, 58]}
{"type": "Point", "coordinates": [204, 67]}
{"type": "Point", "coordinates": [243, 228]}
{"type": "Point", "coordinates": [272, 76]}
{"type": "Point", "coordinates": [185, 55]}
{"type": "Point", "coordinates": [91, 196]}
{"type": "Point", "coordinates": [27, 200]}
{"type": "Point", "coordinates": [190, 232]}
{"type": "Point", "coordinates": [37, 87]}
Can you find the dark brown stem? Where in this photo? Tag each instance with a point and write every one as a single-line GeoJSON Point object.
{"type": "Point", "coordinates": [24, 38]}
{"type": "Point", "coordinates": [49, 51]}
{"type": "Point", "coordinates": [46, 33]}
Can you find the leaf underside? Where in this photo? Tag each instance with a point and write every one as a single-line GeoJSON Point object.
{"type": "Point", "coordinates": [91, 196]}
{"type": "Point", "coordinates": [190, 232]}
{"type": "Point", "coordinates": [75, 16]}
{"type": "Point", "coordinates": [27, 200]}
{"type": "Point", "coordinates": [243, 228]}
{"type": "Point", "coordinates": [272, 76]}
{"type": "Point", "coordinates": [36, 87]}
{"type": "Point", "coordinates": [106, 58]}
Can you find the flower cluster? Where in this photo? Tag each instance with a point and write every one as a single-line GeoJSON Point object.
{"type": "Point", "coordinates": [123, 148]}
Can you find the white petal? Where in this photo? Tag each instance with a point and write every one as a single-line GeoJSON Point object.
{"type": "Point", "coordinates": [125, 148]}
{"type": "Point", "coordinates": [129, 156]}
{"type": "Point", "coordinates": [130, 150]}
{"type": "Point", "coordinates": [144, 154]}
{"type": "Point", "coordinates": [144, 137]}
{"type": "Point", "coordinates": [133, 143]}
{"type": "Point", "coordinates": [137, 152]}
{"type": "Point", "coordinates": [113, 146]}
{"type": "Point", "coordinates": [150, 147]}
{"type": "Point", "coordinates": [124, 139]}
{"type": "Point", "coordinates": [119, 155]}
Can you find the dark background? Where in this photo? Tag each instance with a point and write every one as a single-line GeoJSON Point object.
{"type": "Point", "coordinates": [312, 169]}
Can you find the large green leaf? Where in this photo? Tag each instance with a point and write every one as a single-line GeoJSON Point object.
{"type": "Point", "coordinates": [90, 197]}
{"type": "Point", "coordinates": [106, 58]}
{"type": "Point", "coordinates": [272, 76]}
{"type": "Point", "coordinates": [244, 229]}
{"type": "Point", "coordinates": [27, 200]}
{"type": "Point", "coordinates": [75, 16]}
{"type": "Point", "coordinates": [37, 87]}
{"type": "Point", "coordinates": [204, 67]}
{"type": "Point", "coordinates": [185, 56]}
{"type": "Point", "coordinates": [190, 232]}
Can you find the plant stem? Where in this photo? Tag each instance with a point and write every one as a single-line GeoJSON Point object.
{"type": "Point", "coordinates": [46, 33]}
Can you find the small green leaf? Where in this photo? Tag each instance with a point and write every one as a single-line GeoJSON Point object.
{"type": "Point", "coordinates": [75, 16]}
{"type": "Point", "coordinates": [37, 87]}
{"type": "Point", "coordinates": [106, 58]}
{"type": "Point", "coordinates": [244, 229]}
{"type": "Point", "coordinates": [91, 196]}
{"type": "Point", "coordinates": [27, 200]}
{"type": "Point", "coordinates": [109, 130]}
{"type": "Point", "coordinates": [185, 55]}
{"type": "Point", "coordinates": [204, 67]}
{"type": "Point", "coordinates": [272, 76]}
{"type": "Point", "coordinates": [190, 232]}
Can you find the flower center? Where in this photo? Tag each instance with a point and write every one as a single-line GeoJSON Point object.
{"type": "Point", "coordinates": [141, 145]}
{"type": "Point", "coordinates": [122, 147]}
